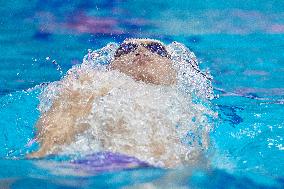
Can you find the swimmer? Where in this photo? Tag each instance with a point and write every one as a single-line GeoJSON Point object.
{"type": "Point", "coordinates": [145, 60]}
{"type": "Point", "coordinates": [132, 108]}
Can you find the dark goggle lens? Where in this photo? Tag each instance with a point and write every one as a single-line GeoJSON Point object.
{"type": "Point", "coordinates": [125, 48]}
{"type": "Point", "coordinates": [157, 48]}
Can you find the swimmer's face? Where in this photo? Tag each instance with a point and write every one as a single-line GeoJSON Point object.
{"type": "Point", "coordinates": [145, 60]}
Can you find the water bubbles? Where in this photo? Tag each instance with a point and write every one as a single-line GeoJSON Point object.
{"type": "Point", "coordinates": [257, 115]}
{"type": "Point", "coordinates": [159, 124]}
{"type": "Point", "coordinates": [276, 142]}
{"type": "Point", "coordinates": [191, 79]}
{"type": "Point", "coordinates": [89, 54]}
{"type": "Point", "coordinates": [101, 56]}
{"type": "Point", "coordinates": [58, 67]}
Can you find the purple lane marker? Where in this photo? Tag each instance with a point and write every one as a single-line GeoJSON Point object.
{"type": "Point", "coordinates": [107, 161]}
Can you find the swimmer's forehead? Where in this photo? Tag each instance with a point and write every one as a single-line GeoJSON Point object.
{"type": "Point", "coordinates": [146, 41]}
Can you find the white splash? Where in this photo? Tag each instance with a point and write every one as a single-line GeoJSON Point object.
{"type": "Point", "coordinates": [157, 124]}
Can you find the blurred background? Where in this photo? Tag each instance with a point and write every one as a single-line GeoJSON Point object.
{"type": "Point", "coordinates": [233, 38]}
{"type": "Point", "coordinates": [240, 42]}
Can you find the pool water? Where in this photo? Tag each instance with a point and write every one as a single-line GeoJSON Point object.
{"type": "Point", "coordinates": [241, 43]}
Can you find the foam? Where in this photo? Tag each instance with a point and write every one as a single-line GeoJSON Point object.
{"type": "Point", "coordinates": [160, 125]}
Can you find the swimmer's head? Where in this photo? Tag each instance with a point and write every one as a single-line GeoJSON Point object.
{"type": "Point", "coordinates": [145, 60]}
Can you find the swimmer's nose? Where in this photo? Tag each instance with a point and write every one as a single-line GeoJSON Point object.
{"type": "Point", "coordinates": [141, 51]}
{"type": "Point", "coordinates": [142, 55]}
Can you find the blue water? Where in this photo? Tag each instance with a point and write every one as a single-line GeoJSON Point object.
{"type": "Point", "coordinates": [240, 42]}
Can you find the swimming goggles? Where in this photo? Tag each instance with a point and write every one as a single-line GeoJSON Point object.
{"type": "Point", "coordinates": [154, 47]}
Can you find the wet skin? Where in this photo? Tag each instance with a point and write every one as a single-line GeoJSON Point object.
{"type": "Point", "coordinates": [144, 65]}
